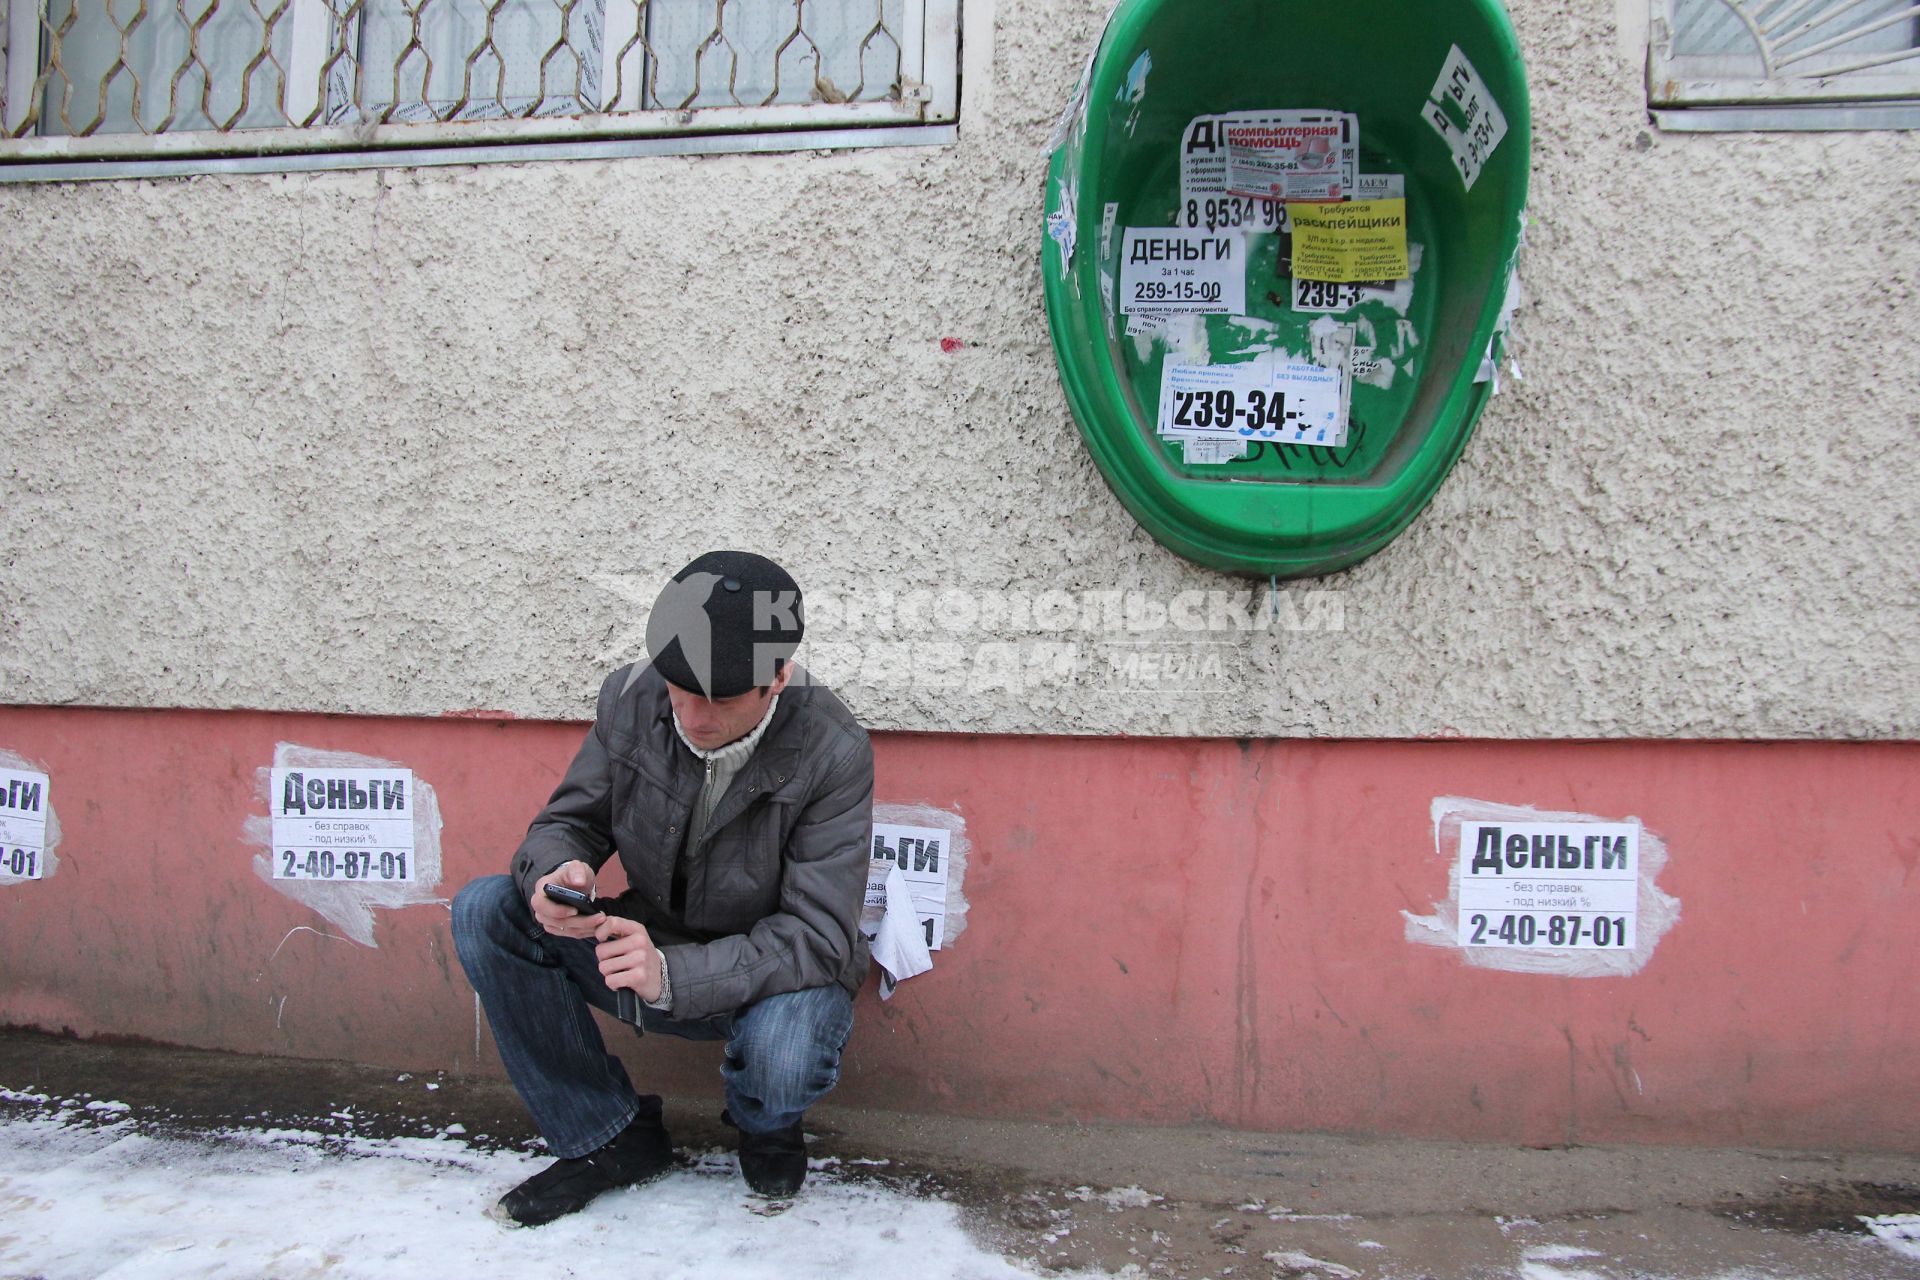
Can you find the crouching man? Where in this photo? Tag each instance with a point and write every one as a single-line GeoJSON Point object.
{"type": "Point", "coordinates": [739, 800]}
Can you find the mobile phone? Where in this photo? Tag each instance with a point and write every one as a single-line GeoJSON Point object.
{"type": "Point", "coordinates": [566, 897]}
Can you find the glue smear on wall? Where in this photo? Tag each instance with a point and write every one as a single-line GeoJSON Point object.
{"type": "Point", "coordinates": [350, 903]}
{"type": "Point", "coordinates": [1565, 941]}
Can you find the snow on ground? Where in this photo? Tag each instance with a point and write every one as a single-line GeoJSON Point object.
{"type": "Point", "coordinates": [89, 1189]}
{"type": "Point", "coordinates": [1536, 1263]}
{"type": "Point", "coordinates": [91, 1200]}
{"type": "Point", "coordinates": [1901, 1231]}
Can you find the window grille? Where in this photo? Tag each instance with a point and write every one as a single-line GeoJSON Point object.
{"type": "Point", "coordinates": [143, 78]}
{"type": "Point", "coordinates": [1785, 63]}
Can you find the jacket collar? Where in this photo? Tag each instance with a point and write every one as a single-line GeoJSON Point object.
{"type": "Point", "coordinates": [772, 765]}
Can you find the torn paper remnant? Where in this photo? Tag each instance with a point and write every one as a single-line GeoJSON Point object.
{"type": "Point", "coordinates": [29, 831]}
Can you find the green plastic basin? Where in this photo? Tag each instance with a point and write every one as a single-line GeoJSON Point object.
{"type": "Point", "coordinates": [1286, 509]}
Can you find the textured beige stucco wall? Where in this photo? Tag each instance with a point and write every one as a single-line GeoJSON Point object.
{"type": "Point", "coordinates": [410, 441]}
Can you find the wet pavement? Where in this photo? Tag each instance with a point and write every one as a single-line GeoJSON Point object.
{"type": "Point", "coordinates": [1140, 1201]}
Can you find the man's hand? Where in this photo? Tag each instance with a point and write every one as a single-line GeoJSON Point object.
{"type": "Point", "coordinates": [559, 920]}
{"type": "Point", "coordinates": [628, 957]}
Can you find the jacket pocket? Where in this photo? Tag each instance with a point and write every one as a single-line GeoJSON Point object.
{"type": "Point", "coordinates": [744, 865]}
{"type": "Point", "coordinates": [648, 829]}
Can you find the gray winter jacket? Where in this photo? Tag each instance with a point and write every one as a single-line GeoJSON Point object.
{"type": "Point", "coordinates": [775, 883]}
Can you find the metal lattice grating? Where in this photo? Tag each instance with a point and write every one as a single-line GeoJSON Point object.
{"type": "Point", "coordinates": [1783, 38]}
{"type": "Point", "coordinates": [151, 68]}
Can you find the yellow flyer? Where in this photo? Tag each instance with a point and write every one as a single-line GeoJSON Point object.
{"type": "Point", "coordinates": [1352, 242]}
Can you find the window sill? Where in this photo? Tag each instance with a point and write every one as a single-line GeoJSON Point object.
{"type": "Point", "coordinates": [1794, 118]}
{"type": "Point", "coordinates": [35, 169]}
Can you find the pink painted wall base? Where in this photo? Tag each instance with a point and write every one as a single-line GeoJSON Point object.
{"type": "Point", "coordinates": [1160, 930]}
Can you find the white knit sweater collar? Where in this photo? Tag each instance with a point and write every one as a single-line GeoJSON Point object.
{"type": "Point", "coordinates": [735, 752]}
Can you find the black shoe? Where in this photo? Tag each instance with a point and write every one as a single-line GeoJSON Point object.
{"type": "Point", "coordinates": [774, 1164]}
{"type": "Point", "coordinates": [641, 1153]}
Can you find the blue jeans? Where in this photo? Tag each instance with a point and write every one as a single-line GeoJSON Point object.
{"type": "Point", "coordinates": [782, 1056]}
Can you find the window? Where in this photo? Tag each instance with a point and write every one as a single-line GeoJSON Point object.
{"type": "Point", "coordinates": [1785, 64]}
{"type": "Point", "coordinates": [139, 79]}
